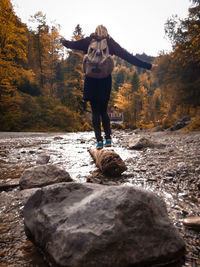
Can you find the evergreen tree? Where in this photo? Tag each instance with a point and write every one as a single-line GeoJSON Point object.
{"type": "Point", "coordinates": [72, 95]}
{"type": "Point", "coordinates": [135, 82]}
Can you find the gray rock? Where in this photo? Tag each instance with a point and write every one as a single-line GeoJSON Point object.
{"type": "Point", "coordinates": [43, 175]}
{"type": "Point", "coordinates": [43, 159]}
{"type": "Point", "coordinates": [25, 194]}
{"type": "Point", "coordinates": [94, 225]}
{"type": "Point", "coordinates": [58, 138]}
{"type": "Point", "coordinates": [192, 222]}
{"type": "Point", "coordinates": [8, 184]}
{"type": "Point", "coordinates": [143, 142]}
{"type": "Point", "coordinates": [180, 123]}
{"type": "Point", "coordinates": [157, 129]}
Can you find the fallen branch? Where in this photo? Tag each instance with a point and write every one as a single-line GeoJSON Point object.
{"type": "Point", "coordinates": [108, 161]}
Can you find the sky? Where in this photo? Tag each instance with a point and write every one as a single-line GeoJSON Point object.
{"type": "Point", "coordinates": [137, 25]}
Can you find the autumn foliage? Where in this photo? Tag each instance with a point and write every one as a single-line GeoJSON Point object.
{"type": "Point", "coordinates": [41, 84]}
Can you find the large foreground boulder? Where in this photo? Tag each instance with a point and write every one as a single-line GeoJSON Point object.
{"type": "Point", "coordinates": [43, 175]}
{"type": "Point", "coordinates": [94, 225]}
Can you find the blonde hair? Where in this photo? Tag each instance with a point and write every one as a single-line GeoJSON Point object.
{"type": "Point", "coordinates": [101, 31]}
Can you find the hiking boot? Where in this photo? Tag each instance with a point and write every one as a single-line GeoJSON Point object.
{"type": "Point", "coordinates": [107, 143]}
{"type": "Point", "coordinates": [99, 145]}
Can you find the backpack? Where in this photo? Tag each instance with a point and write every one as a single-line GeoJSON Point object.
{"type": "Point", "coordinates": [98, 63]}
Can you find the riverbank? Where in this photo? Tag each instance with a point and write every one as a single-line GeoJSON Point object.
{"type": "Point", "coordinates": [173, 172]}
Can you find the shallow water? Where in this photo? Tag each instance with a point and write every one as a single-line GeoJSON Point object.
{"type": "Point", "coordinates": [172, 172]}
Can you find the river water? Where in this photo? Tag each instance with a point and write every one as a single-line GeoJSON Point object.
{"type": "Point", "coordinates": [173, 172]}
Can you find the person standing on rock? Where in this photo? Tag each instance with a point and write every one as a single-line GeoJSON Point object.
{"type": "Point", "coordinates": [98, 66]}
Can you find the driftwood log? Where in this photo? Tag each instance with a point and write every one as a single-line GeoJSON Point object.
{"type": "Point", "coordinates": [108, 161]}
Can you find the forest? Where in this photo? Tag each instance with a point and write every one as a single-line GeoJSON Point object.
{"type": "Point", "coordinates": [41, 83]}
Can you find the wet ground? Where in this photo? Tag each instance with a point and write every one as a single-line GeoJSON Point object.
{"type": "Point", "coordinates": [173, 172]}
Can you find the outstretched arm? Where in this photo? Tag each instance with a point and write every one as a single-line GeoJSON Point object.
{"type": "Point", "coordinates": [77, 45]}
{"type": "Point", "coordinates": [117, 50]}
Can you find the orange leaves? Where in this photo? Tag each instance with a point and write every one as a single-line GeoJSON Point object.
{"type": "Point", "coordinates": [13, 44]}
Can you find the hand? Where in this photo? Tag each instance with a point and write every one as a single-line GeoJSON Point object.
{"type": "Point", "coordinates": [154, 67]}
{"type": "Point", "coordinates": [62, 40]}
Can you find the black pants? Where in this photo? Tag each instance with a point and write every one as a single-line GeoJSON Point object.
{"type": "Point", "coordinates": [99, 113]}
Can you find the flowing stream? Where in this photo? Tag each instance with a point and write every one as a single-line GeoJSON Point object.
{"type": "Point", "coordinates": [173, 172]}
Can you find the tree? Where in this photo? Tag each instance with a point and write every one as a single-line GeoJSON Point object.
{"type": "Point", "coordinates": [78, 33]}
{"type": "Point", "coordinates": [129, 101]}
{"type": "Point", "coordinates": [185, 37]}
{"type": "Point", "coordinates": [54, 57]}
{"type": "Point", "coordinates": [41, 48]}
{"type": "Point", "coordinates": [13, 44]}
{"type": "Point", "coordinates": [119, 78]}
{"type": "Point", "coordinates": [135, 82]}
{"type": "Point", "coordinates": [73, 77]}
{"type": "Point", "coordinates": [13, 58]}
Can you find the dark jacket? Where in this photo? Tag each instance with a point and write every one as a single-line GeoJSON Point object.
{"type": "Point", "coordinates": [99, 89]}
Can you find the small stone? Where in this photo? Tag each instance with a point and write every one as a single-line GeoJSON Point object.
{"type": "Point", "coordinates": [171, 174]}
{"type": "Point", "coordinates": [197, 170]}
{"type": "Point", "coordinates": [43, 159]}
{"type": "Point", "coordinates": [151, 179]}
{"type": "Point", "coordinates": [184, 212]}
{"type": "Point", "coordinates": [192, 222]}
{"type": "Point", "coordinates": [9, 184]}
{"type": "Point", "coordinates": [168, 178]}
{"type": "Point", "coordinates": [58, 138]}
{"type": "Point", "coordinates": [143, 142]}
{"type": "Point", "coordinates": [157, 129]}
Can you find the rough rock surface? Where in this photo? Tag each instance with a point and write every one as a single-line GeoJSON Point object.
{"type": "Point", "coordinates": [43, 175]}
{"type": "Point", "coordinates": [180, 123]}
{"type": "Point", "coordinates": [93, 225]}
{"type": "Point", "coordinates": [43, 159]}
{"type": "Point", "coordinates": [143, 142]}
{"type": "Point", "coordinates": [192, 222]}
{"type": "Point", "coordinates": [157, 129]}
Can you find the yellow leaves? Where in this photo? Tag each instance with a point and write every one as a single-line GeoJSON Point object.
{"type": "Point", "coordinates": [195, 124]}
{"type": "Point", "coordinates": [124, 96]}
{"type": "Point", "coordinates": [196, 26]}
{"type": "Point", "coordinates": [13, 42]}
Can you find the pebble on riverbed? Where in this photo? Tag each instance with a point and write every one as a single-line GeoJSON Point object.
{"type": "Point", "coordinates": [143, 142]}
{"type": "Point", "coordinates": [192, 222]}
{"type": "Point", "coordinates": [43, 159]}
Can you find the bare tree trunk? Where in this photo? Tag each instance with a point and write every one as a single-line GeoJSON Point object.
{"type": "Point", "coordinates": [108, 161]}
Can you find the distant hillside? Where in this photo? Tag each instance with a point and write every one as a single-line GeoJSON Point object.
{"type": "Point", "coordinates": [145, 57]}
